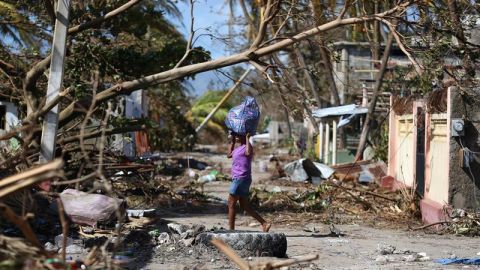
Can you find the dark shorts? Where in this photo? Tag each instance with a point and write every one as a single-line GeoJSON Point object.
{"type": "Point", "coordinates": [240, 186]}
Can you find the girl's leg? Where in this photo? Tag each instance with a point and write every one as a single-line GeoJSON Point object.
{"type": "Point", "coordinates": [245, 205]}
{"type": "Point", "coordinates": [232, 202]}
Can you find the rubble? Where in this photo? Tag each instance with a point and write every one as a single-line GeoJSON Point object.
{"type": "Point", "coordinates": [385, 249]}
{"type": "Point", "coordinates": [304, 169]}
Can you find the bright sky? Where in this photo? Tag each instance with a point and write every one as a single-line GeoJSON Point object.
{"type": "Point", "coordinates": [211, 17]}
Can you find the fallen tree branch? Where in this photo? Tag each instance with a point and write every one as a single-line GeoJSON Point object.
{"type": "Point", "coordinates": [431, 225]}
{"type": "Point", "coordinates": [127, 87]}
{"type": "Point", "coordinates": [230, 253]}
{"type": "Point", "coordinates": [30, 177]}
{"type": "Point", "coordinates": [40, 67]}
{"type": "Point", "coordinates": [97, 134]}
{"type": "Point", "coordinates": [22, 224]}
{"type": "Point", "coordinates": [64, 223]}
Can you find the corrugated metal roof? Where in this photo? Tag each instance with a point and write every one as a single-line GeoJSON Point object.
{"type": "Point", "coordinates": [339, 110]}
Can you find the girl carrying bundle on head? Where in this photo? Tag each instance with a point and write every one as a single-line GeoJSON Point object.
{"type": "Point", "coordinates": [241, 180]}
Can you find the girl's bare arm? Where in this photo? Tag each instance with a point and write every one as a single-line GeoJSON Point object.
{"type": "Point", "coordinates": [232, 146]}
{"type": "Point", "coordinates": [248, 151]}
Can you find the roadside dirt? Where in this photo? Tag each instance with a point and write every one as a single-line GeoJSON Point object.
{"type": "Point", "coordinates": [307, 233]}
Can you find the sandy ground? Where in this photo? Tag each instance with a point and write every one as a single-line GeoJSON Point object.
{"type": "Point", "coordinates": [357, 249]}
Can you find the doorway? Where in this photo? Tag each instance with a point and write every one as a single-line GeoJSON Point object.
{"type": "Point", "coordinates": [420, 153]}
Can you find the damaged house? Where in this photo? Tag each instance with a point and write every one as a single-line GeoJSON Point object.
{"type": "Point", "coordinates": [434, 147]}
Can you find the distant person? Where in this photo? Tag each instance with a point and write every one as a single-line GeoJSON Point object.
{"type": "Point", "coordinates": [241, 180]}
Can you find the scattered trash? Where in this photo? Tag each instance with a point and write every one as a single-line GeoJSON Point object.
{"type": "Point", "coordinates": [325, 170]}
{"type": "Point", "coordinates": [384, 259]}
{"type": "Point", "coordinates": [385, 249]}
{"type": "Point", "coordinates": [164, 238]}
{"type": "Point", "coordinates": [295, 171]}
{"type": "Point", "coordinates": [312, 229]}
{"type": "Point", "coordinates": [121, 260]}
{"type": "Point", "coordinates": [206, 178]}
{"type": "Point", "coordinates": [262, 166]}
{"type": "Point", "coordinates": [411, 258]}
{"type": "Point", "coordinates": [59, 241]}
{"type": "Point", "coordinates": [50, 247]}
{"type": "Point", "coordinates": [73, 249]}
{"type": "Point", "coordinates": [140, 212]}
{"type": "Point", "coordinates": [177, 228]}
{"type": "Point", "coordinates": [191, 173]}
{"type": "Point", "coordinates": [88, 230]}
{"type": "Point", "coordinates": [304, 169]}
{"type": "Point", "coordinates": [338, 241]}
{"type": "Point", "coordinates": [365, 175]}
{"type": "Point", "coordinates": [188, 242]}
{"type": "Point", "coordinates": [276, 189]}
{"type": "Point", "coordinates": [154, 233]}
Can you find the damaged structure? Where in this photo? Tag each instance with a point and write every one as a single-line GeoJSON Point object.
{"type": "Point", "coordinates": [433, 148]}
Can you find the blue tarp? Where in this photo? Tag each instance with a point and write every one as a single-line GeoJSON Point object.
{"type": "Point", "coordinates": [470, 261]}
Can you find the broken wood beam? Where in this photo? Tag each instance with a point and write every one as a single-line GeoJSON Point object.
{"type": "Point", "coordinates": [231, 254]}
{"type": "Point", "coordinates": [30, 177]}
{"type": "Point", "coordinates": [21, 223]}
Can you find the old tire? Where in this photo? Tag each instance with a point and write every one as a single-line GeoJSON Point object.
{"type": "Point", "coordinates": [248, 243]}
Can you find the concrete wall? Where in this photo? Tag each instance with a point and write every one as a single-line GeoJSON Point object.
{"type": "Point", "coordinates": [464, 189]}
{"type": "Point", "coordinates": [436, 160]}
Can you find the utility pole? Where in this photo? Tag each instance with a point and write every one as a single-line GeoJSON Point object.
{"type": "Point", "coordinates": [229, 93]}
{"type": "Point", "coordinates": [55, 78]}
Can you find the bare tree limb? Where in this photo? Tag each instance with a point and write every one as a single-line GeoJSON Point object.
{"type": "Point", "coordinates": [22, 224]}
{"type": "Point", "coordinates": [50, 11]}
{"type": "Point", "coordinates": [40, 67]}
{"type": "Point", "coordinates": [344, 10]}
{"type": "Point", "coordinates": [30, 177]}
{"type": "Point", "coordinates": [270, 11]}
{"type": "Point", "coordinates": [64, 223]}
{"type": "Point", "coordinates": [376, 91]}
{"type": "Point", "coordinates": [70, 111]}
{"type": "Point", "coordinates": [416, 65]}
{"type": "Point", "coordinates": [96, 134]}
{"type": "Point", "coordinates": [188, 50]}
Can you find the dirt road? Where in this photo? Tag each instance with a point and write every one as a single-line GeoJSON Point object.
{"type": "Point", "coordinates": [356, 249]}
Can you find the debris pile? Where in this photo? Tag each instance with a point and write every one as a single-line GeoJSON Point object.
{"type": "Point", "coordinates": [389, 253]}
{"type": "Point", "coordinates": [360, 202]}
{"type": "Point", "coordinates": [460, 222]}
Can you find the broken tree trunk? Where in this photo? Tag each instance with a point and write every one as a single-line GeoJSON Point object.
{"type": "Point", "coordinates": [373, 102]}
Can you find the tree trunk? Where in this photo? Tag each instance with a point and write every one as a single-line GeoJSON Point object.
{"type": "Point", "coordinates": [373, 102]}
{"type": "Point", "coordinates": [308, 76]}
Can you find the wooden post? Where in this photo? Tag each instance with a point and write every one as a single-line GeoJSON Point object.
{"type": "Point", "coordinates": [229, 93]}
{"type": "Point", "coordinates": [55, 78]}
{"type": "Point", "coordinates": [334, 143]}
{"type": "Point", "coordinates": [320, 142]}
{"type": "Point", "coordinates": [327, 144]}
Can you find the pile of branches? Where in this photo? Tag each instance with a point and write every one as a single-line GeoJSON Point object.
{"type": "Point", "coordinates": [341, 198]}
{"type": "Point", "coordinates": [460, 222]}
